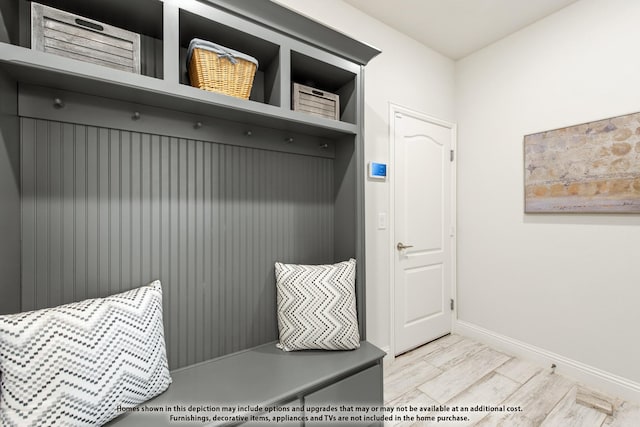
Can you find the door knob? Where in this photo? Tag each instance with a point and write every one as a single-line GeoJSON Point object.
{"type": "Point", "coordinates": [402, 246]}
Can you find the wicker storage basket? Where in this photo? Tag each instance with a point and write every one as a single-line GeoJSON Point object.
{"type": "Point", "coordinates": [218, 69]}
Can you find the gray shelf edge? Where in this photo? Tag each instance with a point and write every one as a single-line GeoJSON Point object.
{"type": "Point", "coordinates": [373, 352]}
{"type": "Point", "coordinates": [45, 69]}
{"type": "Point", "coordinates": [300, 27]}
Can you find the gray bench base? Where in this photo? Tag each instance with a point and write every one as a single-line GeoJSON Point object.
{"type": "Point", "coordinates": [264, 377]}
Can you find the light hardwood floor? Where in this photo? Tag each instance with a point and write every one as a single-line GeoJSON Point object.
{"type": "Point", "coordinates": [488, 387]}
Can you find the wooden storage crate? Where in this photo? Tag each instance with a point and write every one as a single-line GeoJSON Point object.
{"type": "Point", "coordinates": [74, 36]}
{"type": "Point", "coordinates": [219, 69]}
{"type": "Point", "coordinates": [316, 102]}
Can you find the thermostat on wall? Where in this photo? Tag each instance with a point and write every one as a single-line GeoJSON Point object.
{"type": "Point", "coordinates": [377, 170]}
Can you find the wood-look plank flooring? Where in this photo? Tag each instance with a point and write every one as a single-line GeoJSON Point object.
{"type": "Point", "coordinates": [483, 383]}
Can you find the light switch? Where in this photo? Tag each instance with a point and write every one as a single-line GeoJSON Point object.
{"type": "Point", "coordinates": [382, 221]}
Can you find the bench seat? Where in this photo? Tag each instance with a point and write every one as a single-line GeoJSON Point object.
{"type": "Point", "coordinates": [265, 376]}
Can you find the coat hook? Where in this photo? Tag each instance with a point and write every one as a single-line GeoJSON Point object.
{"type": "Point", "coordinates": [289, 140]}
{"type": "Point", "coordinates": [57, 103]}
{"type": "Point", "coordinates": [197, 125]}
{"type": "Point", "coordinates": [136, 116]}
{"type": "Point", "coordinates": [324, 146]}
{"type": "Point", "coordinates": [248, 133]}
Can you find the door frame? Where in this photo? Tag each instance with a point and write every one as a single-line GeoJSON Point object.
{"type": "Point", "coordinates": [393, 110]}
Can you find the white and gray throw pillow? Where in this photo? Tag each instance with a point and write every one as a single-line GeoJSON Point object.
{"type": "Point", "coordinates": [317, 306]}
{"type": "Point", "coordinates": [77, 363]}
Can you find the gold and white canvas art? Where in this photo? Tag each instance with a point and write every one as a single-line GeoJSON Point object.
{"type": "Point", "coordinates": [591, 167]}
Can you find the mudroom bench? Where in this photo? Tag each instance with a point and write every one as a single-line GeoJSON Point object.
{"type": "Point", "coordinates": [243, 386]}
{"type": "Point", "coordinates": [115, 178]}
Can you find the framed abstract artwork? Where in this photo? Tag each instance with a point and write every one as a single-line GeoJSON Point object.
{"type": "Point", "coordinates": [592, 168]}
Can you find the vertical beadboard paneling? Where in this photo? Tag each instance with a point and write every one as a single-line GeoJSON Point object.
{"type": "Point", "coordinates": [144, 203]}
{"type": "Point", "coordinates": [78, 286]}
{"type": "Point", "coordinates": [164, 239]}
{"type": "Point", "coordinates": [124, 214]}
{"type": "Point", "coordinates": [175, 292]}
{"type": "Point", "coordinates": [54, 214]}
{"type": "Point", "coordinates": [103, 212]}
{"type": "Point", "coordinates": [106, 210]}
{"type": "Point", "coordinates": [67, 230]}
{"type": "Point", "coordinates": [28, 213]}
{"type": "Point", "coordinates": [42, 214]}
{"type": "Point", "coordinates": [182, 239]}
{"type": "Point", "coordinates": [92, 230]}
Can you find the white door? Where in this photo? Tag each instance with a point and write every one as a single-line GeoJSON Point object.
{"type": "Point", "coordinates": [423, 233]}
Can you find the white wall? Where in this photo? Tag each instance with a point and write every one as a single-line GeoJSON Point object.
{"type": "Point", "coordinates": [569, 284]}
{"type": "Point", "coordinates": [406, 73]}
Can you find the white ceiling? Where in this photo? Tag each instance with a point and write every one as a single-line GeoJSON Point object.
{"type": "Point", "coordinates": [457, 28]}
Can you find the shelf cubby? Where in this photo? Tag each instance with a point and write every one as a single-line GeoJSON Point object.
{"type": "Point", "coordinates": [265, 87]}
{"type": "Point", "coordinates": [312, 72]}
{"type": "Point", "coordinates": [143, 17]}
{"type": "Point", "coordinates": [166, 30]}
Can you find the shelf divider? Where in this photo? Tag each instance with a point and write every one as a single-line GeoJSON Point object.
{"type": "Point", "coordinates": [285, 77]}
{"type": "Point", "coordinates": [171, 37]}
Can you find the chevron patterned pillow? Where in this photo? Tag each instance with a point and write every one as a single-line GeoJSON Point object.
{"type": "Point", "coordinates": [76, 364]}
{"type": "Point", "coordinates": [317, 306]}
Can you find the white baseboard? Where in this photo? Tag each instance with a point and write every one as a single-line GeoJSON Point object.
{"type": "Point", "coordinates": [388, 358]}
{"type": "Point", "coordinates": [585, 374]}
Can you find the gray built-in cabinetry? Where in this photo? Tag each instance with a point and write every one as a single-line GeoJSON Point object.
{"type": "Point", "coordinates": [314, 385]}
{"type": "Point", "coordinates": [110, 179]}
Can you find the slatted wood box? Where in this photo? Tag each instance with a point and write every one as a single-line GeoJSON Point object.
{"type": "Point", "coordinates": [316, 102]}
{"type": "Point", "coordinates": [77, 37]}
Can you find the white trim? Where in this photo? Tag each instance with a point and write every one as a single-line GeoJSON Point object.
{"type": "Point", "coordinates": [454, 224]}
{"type": "Point", "coordinates": [393, 109]}
{"type": "Point", "coordinates": [388, 358]}
{"type": "Point", "coordinates": [586, 374]}
{"type": "Point", "coordinates": [392, 230]}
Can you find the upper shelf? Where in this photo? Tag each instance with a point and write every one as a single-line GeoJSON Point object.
{"type": "Point", "coordinates": [163, 82]}
{"type": "Point", "coordinates": [45, 69]}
